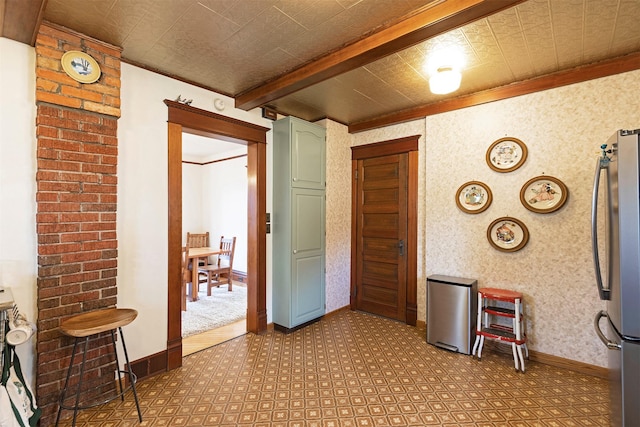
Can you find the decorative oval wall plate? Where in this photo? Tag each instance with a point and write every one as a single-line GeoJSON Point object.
{"type": "Point", "coordinates": [508, 234]}
{"type": "Point", "coordinates": [473, 197]}
{"type": "Point", "coordinates": [80, 66]}
{"type": "Point", "coordinates": [506, 154]}
{"type": "Point", "coordinates": [544, 194]}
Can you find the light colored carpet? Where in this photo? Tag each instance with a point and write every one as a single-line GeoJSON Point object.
{"type": "Point", "coordinates": [221, 308]}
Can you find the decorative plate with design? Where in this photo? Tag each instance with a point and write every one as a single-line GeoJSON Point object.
{"type": "Point", "coordinates": [506, 154]}
{"type": "Point", "coordinates": [80, 66]}
{"type": "Point", "coordinates": [544, 194]}
{"type": "Point", "coordinates": [508, 234]}
{"type": "Point", "coordinates": [473, 197]}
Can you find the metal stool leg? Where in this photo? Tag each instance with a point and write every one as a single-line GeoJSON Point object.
{"type": "Point", "coordinates": [66, 382]}
{"type": "Point", "coordinates": [64, 390]}
{"type": "Point", "coordinates": [115, 354]}
{"type": "Point", "coordinates": [515, 354]}
{"type": "Point", "coordinates": [521, 358]}
{"type": "Point", "coordinates": [478, 326]}
{"type": "Point", "coordinates": [132, 377]}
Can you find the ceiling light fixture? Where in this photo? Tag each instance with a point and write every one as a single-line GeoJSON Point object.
{"type": "Point", "coordinates": [445, 80]}
{"type": "Point", "coordinates": [444, 66]}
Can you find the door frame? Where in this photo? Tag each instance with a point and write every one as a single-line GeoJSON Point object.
{"type": "Point", "coordinates": [184, 118]}
{"type": "Point", "coordinates": [408, 145]}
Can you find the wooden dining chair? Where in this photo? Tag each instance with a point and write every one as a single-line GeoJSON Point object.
{"type": "Point", "coordinates": [221, 272]}
{"type": "Point", "coordinates": [198, 240]}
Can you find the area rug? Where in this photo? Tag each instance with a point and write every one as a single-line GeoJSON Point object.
{"type": "Point", "coordinates": [221, 308]}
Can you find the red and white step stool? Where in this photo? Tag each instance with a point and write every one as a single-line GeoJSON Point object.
{"type": "Point", "coordinates": [487, 327]}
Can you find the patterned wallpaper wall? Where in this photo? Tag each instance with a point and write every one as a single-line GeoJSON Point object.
{"type": "Point", "coordinates": [338, 215]}
{"type": "Point", "coordinates": [562, 129]}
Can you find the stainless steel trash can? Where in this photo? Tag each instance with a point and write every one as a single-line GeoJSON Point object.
{"type": "Point", "coordinates": [452, 305]}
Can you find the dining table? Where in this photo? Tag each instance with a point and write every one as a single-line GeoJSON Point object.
{"type": "Point", "coordinates": [195, 255]}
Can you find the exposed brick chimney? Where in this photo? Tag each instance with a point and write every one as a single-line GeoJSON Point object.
{"type": "Point", "coordinates": [77, 158]}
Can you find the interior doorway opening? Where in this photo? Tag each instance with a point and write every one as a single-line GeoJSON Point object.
{"type": "Point", "coordinates": [184, 118]}
{"type": "Point", "coordinates": [214, 203]}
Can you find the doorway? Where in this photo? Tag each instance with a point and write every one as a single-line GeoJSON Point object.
{"type": "Point", "coordinates": [214, 201]}
{"type": "Point", "coordinates": [384, 229]}
{"type": "Point", "coordinates": [184, 118]}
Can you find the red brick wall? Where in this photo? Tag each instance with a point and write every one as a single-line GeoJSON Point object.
{"type": "Point", "coordinates": [77, 157]}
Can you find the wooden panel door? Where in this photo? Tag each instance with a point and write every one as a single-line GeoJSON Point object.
{"type": "Point", "coordinates": [381, 235]}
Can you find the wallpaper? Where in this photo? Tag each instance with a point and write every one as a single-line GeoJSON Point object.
{"type": "Point", "coordinates": [562, 130]}
{"type": "Point", "coordinates": [338, 216]}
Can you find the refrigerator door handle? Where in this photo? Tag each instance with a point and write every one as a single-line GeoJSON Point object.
{"type": "Point", "coordinates": [603, 163]}
{"type": "Point", "coordinates": [611, 345]}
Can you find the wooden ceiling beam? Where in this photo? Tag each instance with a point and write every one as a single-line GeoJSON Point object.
{"type": "Point", "coordinates": [580, 74]}
{"type": "Point", "coordinates": [443, 16]}
{"type": "Point", "coordinates": [20, 19]}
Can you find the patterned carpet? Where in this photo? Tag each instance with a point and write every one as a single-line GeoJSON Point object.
{"type": "Point", "coordinates": [353, 369]}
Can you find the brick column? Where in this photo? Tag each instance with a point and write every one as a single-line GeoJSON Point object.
{"type": "Point", "coordinates": [77, 156]}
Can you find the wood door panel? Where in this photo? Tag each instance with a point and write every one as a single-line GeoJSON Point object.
{"type": "Point", "coordinates": [381, 168]}
{"type": "Point", "coordinates": [380, 251]}
{"type": "Point", "coordinates": [380, 296]}
{"type": "Point", "coordinates": [380, 184]}
{"type": "Point", "coordinates": [380, 273]}
{"type": "Point", "coordinates": [381, 225]}
{"type": "Point", "coordinates": [380, 301]}
{"type": "Point", "coordinates": [380, 247]}
{"type": "Point", "coordinates": [381, 195]}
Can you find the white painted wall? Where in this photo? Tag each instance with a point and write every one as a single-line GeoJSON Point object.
{"type": "Point", "coordinates": [18, 256]}
{"type": "Point", "coordinates": [192, 202]}
{"type": "Point", "coordinates": [215, 200]}
{"type": "Point", "coordinates": [142, 199]}
{"type": "Point", "coordinates": [224, 200]}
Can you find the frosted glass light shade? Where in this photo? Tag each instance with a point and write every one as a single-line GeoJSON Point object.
{"type": "Point", "coordinates": [445, 80]}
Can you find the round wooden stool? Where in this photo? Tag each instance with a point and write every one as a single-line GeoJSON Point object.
{"type": "Point", "coordinates": [85, 325]}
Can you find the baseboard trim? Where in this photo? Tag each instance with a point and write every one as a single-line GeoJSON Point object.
{"type": "Point", "coordinates": [151, 365]}
{"type": "Point", "coordinates": [239, 276]}
{"type": "Point", "coordinates": [551, 360]}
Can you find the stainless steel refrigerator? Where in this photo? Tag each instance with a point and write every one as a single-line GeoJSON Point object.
{"type": "Point", "coordinates": [617, 266]}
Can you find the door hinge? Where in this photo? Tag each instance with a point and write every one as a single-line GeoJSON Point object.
{"type": "Point", "coordinates": [356, 174]}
